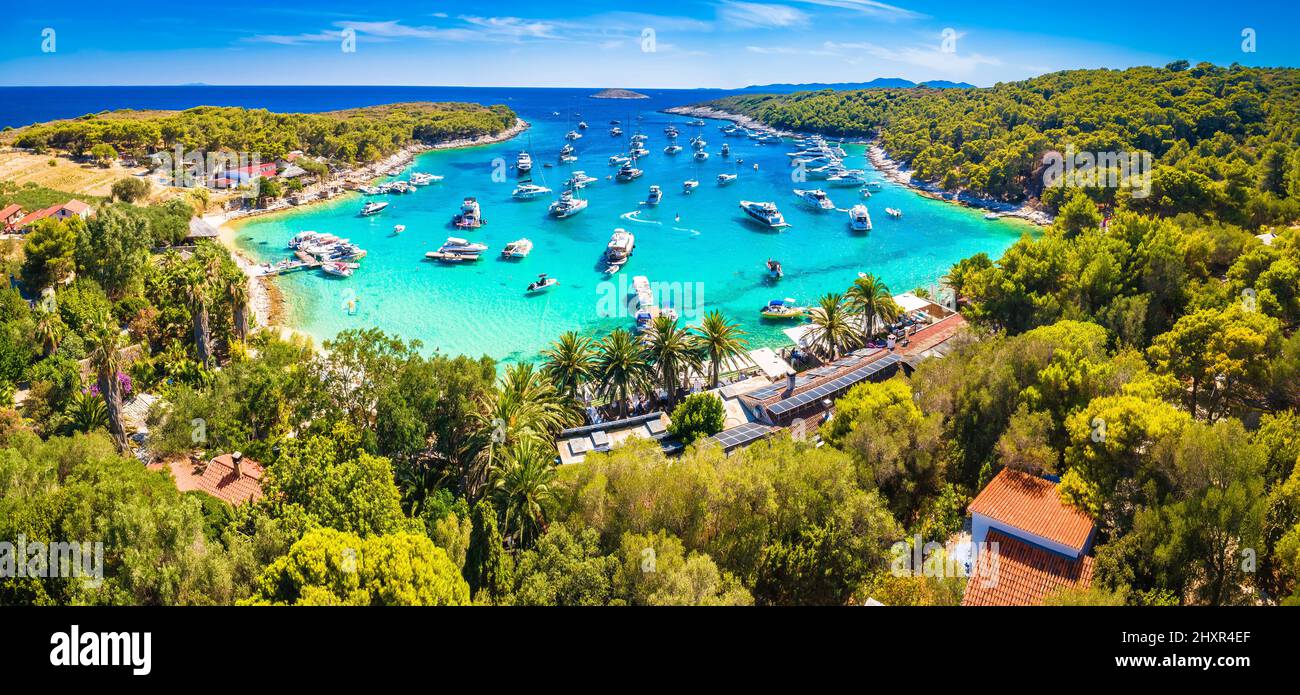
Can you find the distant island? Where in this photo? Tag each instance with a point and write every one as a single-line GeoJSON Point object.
{"type": "Point", "coordinates": [618, 94]}
{"type": "Point", "coordinates": [878, 83]}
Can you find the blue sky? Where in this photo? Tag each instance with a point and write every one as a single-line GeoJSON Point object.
{"type": "Point", "coordinates": [587, 43]}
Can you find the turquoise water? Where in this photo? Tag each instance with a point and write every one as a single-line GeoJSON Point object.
{"type": "Point", "coordinates": [713, 258]}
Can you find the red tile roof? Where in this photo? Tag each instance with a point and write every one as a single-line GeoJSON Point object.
{"type": "Point", "coordinates": [1020, 574]}
{"type": "Point", "coordinates": [218, 478]}
{"type": "Point", "coordinates": [9, 210]}
{"type": "Point", "coordinates": [76, 207]}
{"type": "Point", "coordinates": [1030, 503]}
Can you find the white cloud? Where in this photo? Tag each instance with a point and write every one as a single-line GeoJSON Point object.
{"type": "Point", "coordinates": [931, 58]}
{"type": "Point", "coordinates": [750, 15]}
{"type": "Point", "coordinates": [868, 7]}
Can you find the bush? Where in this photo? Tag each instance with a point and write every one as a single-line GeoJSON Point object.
{"type": "Point", "coordinates": [130, 190]}
{"type": "Point", "coordinates": [700, 415]}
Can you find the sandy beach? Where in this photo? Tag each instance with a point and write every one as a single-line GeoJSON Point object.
{"type": "Point", "coordinates": [265, 297]}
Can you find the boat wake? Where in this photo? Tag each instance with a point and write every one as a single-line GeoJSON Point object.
{"type": "Point", "coordinates": [694, 232]}
{"type": "Point", "coordinates": [632, 217]}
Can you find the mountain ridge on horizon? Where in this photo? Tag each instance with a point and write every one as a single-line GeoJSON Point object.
{"type": "Point", "coordinates": [878, 83]}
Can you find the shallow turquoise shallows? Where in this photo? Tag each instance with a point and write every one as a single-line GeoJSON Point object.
{"type": "Point", "coordinates": [699, 248]}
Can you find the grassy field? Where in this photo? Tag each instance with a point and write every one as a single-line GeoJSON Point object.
{"type": "Point", "coordinates": [78, 179]}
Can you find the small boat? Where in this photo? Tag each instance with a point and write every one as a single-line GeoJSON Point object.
{"type": "Point", "coordinates": [399, 228]}
{"type": "Point", "coordinates": [572, 135]}
{"type": "Point", "coordinates": [672, 131]}
{"type": "Point", "coordinates": [774, 269]}
{"type": "Point", "coordinates": [616, 122]}
{"type": "Point", "coordinates": [656, 195]}
{"type": "Point", "coordinates": [628, 172]}
{"type": "Point", "coordinates": [698, 143]}
{"type": "Point", "coordinates": [724, 179]}
{"type": "Point", "coordinates": [615, 132]}
{"type": "Point", "coordinates": [470, 216]}
{"type": "Point", "coordinates": [422, 179]}
{"type": "Point", "coordinates": [579, 179]}
{"type": "Point", "coordinates": [992, 216]}
{"type": "Point", "coordinates": [568, 159]}
{"type": "Point", "coordinates": [673, 149]}
{"type": "Point", "coordinates": [529, 191]}
{"type": "Point", "coordinates": [519, 248]}
{"type": "Point", "coordinates": [639, 138]}
{"type": "Point", "coordinates": [726, 150]}
{"type": "Point", "coordinates": [846, 179]}
{"type": "Point", "coordinates": [816, 198]}
{"type": "Point", "coordinates": [541, 284]}
{"type": "Point", "coordinates": [618, 160]}
{"type": "Point", "coordinates": [567, 206]}
{"type": "Point", "coordinates": [699, 122]}
{"type": "Point", "coordinates": [782, 309]}
{"type": "Point", "coordinates": [690, 185]}
{"type": "Point", "coordinates": [894, 212]}
{"type": "Point", "coordinates": [371, 190]}
{"type": "Point", "coordinates": [373, 208]}
{"type": "Point", "coordinates": [399, 187]}
{"type": "Point", "coordinates": [343, 270]}
{"type": "Point", "coordinates": [764, 213]}
{"type": "Point", "coordinates": [459, 245]}
{"type": "Point", "coordinates": [582, 125]}
{"type": "Point", "coordinates": [618, 250]}
{"type": "Point", "coordinates": [701, 156]}
{"type": "Point", "coordinates": [874, 186]}
{"type": "Point", "coordinates": [524, 162]}
{"type": "Point", "coordinates": [639, 152]}
{"type": "Point", "coordinates": [859, 218]}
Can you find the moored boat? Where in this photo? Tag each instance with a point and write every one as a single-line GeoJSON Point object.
{"type": "Point", "coordinates": [859, 218]}
{"type": "Point", "coordinates": [470, 215]}
{"type": "Point", "coordinates": [567, 206]}
{"type": "Point", "coordinates": [815, 198]}
{"type": "Point", "coordinates": [541, 284]}
{"type": "Point", "coordinates": [765, 213]}
{"type": "Point", "coordinates": [373, 208]}
{"type": "Point", "coordinates": [519, 248]}
{"type": "Point", "coordinates": [782, 309]}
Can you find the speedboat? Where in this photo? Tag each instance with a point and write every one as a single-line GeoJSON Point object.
{"type": "Point", "coordinates": [618, 160]}
{"type": "Point", "coordinates": [656, 195]}
{"type": "Point", "coordinates": [529, 191]}
{"type": "Point", "coordinates": [627, 172]}
{"type": "Point", "coordinates": [579, 179]}
{"type": "Point", "coordinates": [859, 218]}
{"type": "Point", "coordinates": [689, 185]}
{"type": "Point", "coordinates": [774, 269]}
{"type": "Point", "coordinates": [615, 131]}
{"type": "Point", "coordinates": [517, 249]}
{"type": "Point", "coordinates": [638, 152]}
{"type": "Point", "coordinates": [726, 150]}
{"type": "Point", "coordinates": [673, 149]}
{"type": "Point", "coordinates": [582, 125]}
{"type": "Point", "coordinates": [459, 245]}
{"type": "Point", "coordinates": [724, 179]}
{"type": "Point", "coordinates": [305, 240]}
{"type": "Point", "coordinates": [848, 178]}
{"type": "Point", "coordinates": [470, 216]}
{"type": "Point", "coordinates": [342, 270]}
{"type": "Point", "coordinates": [373, 208]}
{"type": "Point", "coordinates": [422, 179]}
{"type": "Point", "coordinates": [699, 122]}
{"type": "Point", "coordinates": [451, 256]}
{"type": "Point", "coordinates": [568, 205]}
{"type": "Point", "coordinates": [782, 309]}
{"type": "Point", "coordinates": [816, 198]}
{"type": "Point", "coordinates": [894, 212]}
{"type": "Point", "coordinates": [399, 187]}
{"type": "Point", "coordinates": [701, 156]}
{"type": "Point", "coordinates": [371, 190]}
{"type": "Point", "coordinates": [639, 138]}
{"type": "Point", "coordinates": [572, 135]}
{"type": "Point", "coordinates": [399, 228]}
{"type": "Point", "coordinates": [524, 163]}
{"type": "Point", "coordinates": [567, 151]}
{"type": "Point", "coordinates": [541, 284]}
{"type": "Point", "coordinates": [764, 213]}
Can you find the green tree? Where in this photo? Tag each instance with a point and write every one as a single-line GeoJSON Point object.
{"type": "Point", "coordinates": [674, 355]}
{"type": "Point", "coordinates": [700, 415]}
{"type": "Point", "coordinates": [719, 341]}
{"type": "Point", "coordinates": [570, 363]}
{"type": "Point", "coordinates": [131, 190]}
{"type": "Point", "coordinates": [623, 368]}
{"type": "Point", "coordinates": [487, 568]}
{"type": "Point", "coordinates": [49, 253]}
{"type": "Point", "coordinates": [832, 326]}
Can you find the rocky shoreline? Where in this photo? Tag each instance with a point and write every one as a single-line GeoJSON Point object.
{"type": "Point", "coordinates": [265, 297]}
{"type": "Point", "coordinates": [889, 168]}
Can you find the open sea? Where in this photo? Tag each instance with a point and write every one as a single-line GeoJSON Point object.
{"type": "Point", "coordinates": [699, 247]}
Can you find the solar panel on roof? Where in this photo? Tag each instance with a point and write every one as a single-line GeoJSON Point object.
{"type": "Point", "coordinates": [831, 387]}
{"type": "Point", "coordinates": [739, 436]}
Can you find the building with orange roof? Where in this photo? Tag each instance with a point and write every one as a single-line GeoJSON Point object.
{"type": "Point", "coordinates": [1029, 543]}
{"type": "Point", "coordinates": [72, 208]}
{"type": "Point", "coordinates": [228, 477]}
{"type": "Point", "coordinates": [9, 216]}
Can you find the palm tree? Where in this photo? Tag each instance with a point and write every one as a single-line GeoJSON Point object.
{"type": "Point", "coordinates": [86, 412]}
{"type": "Point", "coordinates": [622, 368]}
{"type": "Point", "coordinates": [525, 407]}
{"type": "Point", "coordinates": [237, 290]}
{"type": "Point", "coordinates": [674, 354]}
{"type": "Point", "coordinates": [523, 490]}
{"type": "Point", "coordinates": [104, 340]}
{"type": "Point", "coordinates": [869, 298]}
{"type": "Point", "coordinates": [49, 328]}
{"type": "Point", "coordinates": [720, 341]}
{"type": "Point", "coordinates": [196, 293]}
{"type": "Point", "coordinates": [831, 328]}
{"type": "Point", "coordinates": [570, 363]}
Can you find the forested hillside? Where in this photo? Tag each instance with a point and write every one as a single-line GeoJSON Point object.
{"type": "Point", "coordinates": [1224, 138]}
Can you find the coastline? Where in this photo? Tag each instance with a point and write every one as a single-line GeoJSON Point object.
{"type": "Point", "coordinates": [265, 298]}
{"type": "Point", "coordinates": [891, 169]}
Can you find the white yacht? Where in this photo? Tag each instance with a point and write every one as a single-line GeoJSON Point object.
{"type": "Point", "coordinates": [422, 179]}
{"type": "Point", "coordinates": [628, 172]}
{"type": "Point", "coordinates": [894, 212]}
{"type": "Point", "coordinates": [859, 218]}
{"type": "Point", "coordinates": [817, 198]}
{"type": "Point", "coordinates": [636, 152]}
{"type": "Point", "coordinates": [529, 191]}
{"type": "Point", "coordinates": [764, 213]}
{"type": "Point", "coordinates": [568, 205]}
{"type": "Point", "coordinates": [579, 179]}
{"type": "Point", "coordinates": [848, 178]}
{"type": "Point", "coordinates": [618, 160]}
{"type": "Point", "coordinates": [656, 195]}
{"type": "Point", "coordinates": [519, 248]}
{"type": "Point", "coordinates": [470, 216]}
{"type": "Point", "coordinates": [726, 150]}
{"type": "Point", "coordinates": [458, 245]}
{"type": "Point", "coordinates": [698, 143]}
{"type": "Point", "coordinates": [615, 132]}
{"type": "Point", "coordinates": [373, 208]}
{"type": "Point", "coordinates": [673, 149]}
{"type": "Point", "coordinates": [724, 179]}
{"type": "Point", "coordinates": [618, 250]}
{"type": "Point", "coordinates": [701, 156]}
{"type": "Point", "coordinates": [690, 185]}
{"type": "Point", "coordinates": [524, 162]}
{"type": "Point", "coordinates": [582, 125]}
{"type": "Point", "coordinates": [572, 135]}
